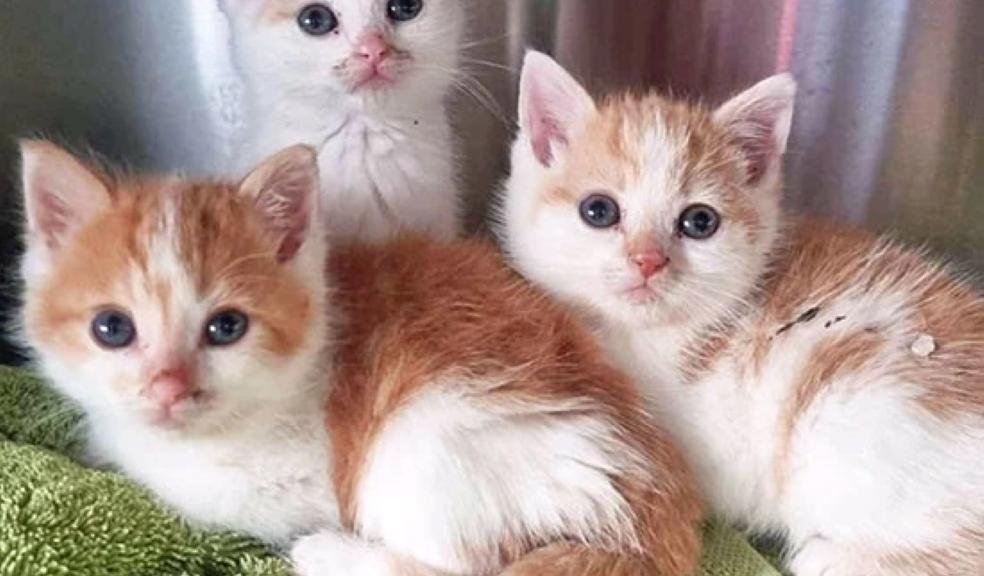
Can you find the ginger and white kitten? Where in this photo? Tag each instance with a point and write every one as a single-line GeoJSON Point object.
{"type": "Point", "coordinates": [823, 383]}
{"type": "Point", "coordinates": [364, 82]}
{"type": "Point", "coordinates": [410, 408]}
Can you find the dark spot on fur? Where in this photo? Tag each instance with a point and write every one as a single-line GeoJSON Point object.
{"type": "Point", "coordinates": [805, 317]}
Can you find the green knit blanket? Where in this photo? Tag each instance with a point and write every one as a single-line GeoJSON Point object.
{"type": "Point", "coordinates": [60, 518]}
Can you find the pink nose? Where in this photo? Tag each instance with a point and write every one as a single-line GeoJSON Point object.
{"type": "Point", "coordinates": [373, 48]}
{"type": "Point", "coordinates": [649, 263]}
{"type": "Point", "coordinates": [170, 388]}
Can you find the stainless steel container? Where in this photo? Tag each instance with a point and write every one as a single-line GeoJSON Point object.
{"type": "Point", "coordinates": [889, 132]}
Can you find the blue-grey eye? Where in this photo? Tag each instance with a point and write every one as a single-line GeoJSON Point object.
{"type": "Point", "coordinates": [699, 222]}
{"type": "Point", "coordinates": [600, 211]}
{"type": "Point", "coordinates": [113, 329]}
{"type": "Point", "coordinates": [403, 10]}
{"type": "Point", "coordinates": [317, 20]}
{"type": "Point", "coordinates": [226, 328]}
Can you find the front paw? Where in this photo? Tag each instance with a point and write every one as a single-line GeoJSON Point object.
{"type": "Point", "coordinates": [820, 557]}
{"type": "Point", "coordinates": [334, 554]}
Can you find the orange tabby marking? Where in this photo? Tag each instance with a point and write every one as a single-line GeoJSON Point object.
{"type": "Point", "coordinates": [465, 310]}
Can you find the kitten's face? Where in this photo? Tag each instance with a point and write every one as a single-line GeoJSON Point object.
{"type": "Point", "coordinates": [367, 50]}
{"type": "Point", "coordinates": [644, 209]}
{"type": "Point", "coordinates": [166, 304]}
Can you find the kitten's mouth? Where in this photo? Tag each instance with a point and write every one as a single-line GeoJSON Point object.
{"type": "Point", "coordinates": [365, 76]}
{"type": "Point", "coordinates": [178, 415]}
{"type": "Point", "coordinates": [640, 294]}
{"type": "Point", "coordinates": [372, 80]}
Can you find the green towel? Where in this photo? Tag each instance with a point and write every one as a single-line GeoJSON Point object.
{"type": "Point", "coordinates": [59, 518]}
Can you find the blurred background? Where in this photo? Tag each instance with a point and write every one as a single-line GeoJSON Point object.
{"type": "Point", "coordinates": [889, 131]}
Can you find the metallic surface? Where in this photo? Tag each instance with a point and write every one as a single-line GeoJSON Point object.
{"type": "Point", "coordinates": [889, 131]}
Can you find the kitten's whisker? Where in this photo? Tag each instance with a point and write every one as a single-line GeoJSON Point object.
{"type": "Point", "coordinates": [470, 86]}
{"type": "Point", "coordinates": [474, 88]}
{"type": "Point", "coordinates": [490, 64]}
{"type": "Point", "coordinates": [490, 40]}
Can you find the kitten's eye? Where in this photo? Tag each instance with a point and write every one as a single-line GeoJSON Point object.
{"type": "Point", "coordinates": [600, 211]}
{"type": "Point", "coordinates": [317, 20]}
{"type": "Point", "coordinates": [403, 10]}
{"type": "Point", "coordinates": [226, 328]}
{"type": "Point", "coordinates": [113, 329]}
{"type": "Point", "coordinates": [699, 222]}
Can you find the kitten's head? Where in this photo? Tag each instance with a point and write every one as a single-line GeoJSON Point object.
{"type": "Point", "coordinates": [365, 51]}
{"type": "Point", "coordinates": [642, 208]}
{"type": "Point", "coordinates": [168, 304]}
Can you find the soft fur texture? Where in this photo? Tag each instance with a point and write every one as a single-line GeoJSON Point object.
{"type": "Point", "coordinates": [418, 404]}
{"type": "Point", "coordinates": [386, 146]}
{"type": "Point", "coordinates": [823, 383]}
{"type": "Point", "coordinates": [57, 517]}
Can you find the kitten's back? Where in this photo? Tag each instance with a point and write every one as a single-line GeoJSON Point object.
{"type": "Point", "coordinates": [445, 343]}
{"type": "Point", "coordinates": [824, 262]}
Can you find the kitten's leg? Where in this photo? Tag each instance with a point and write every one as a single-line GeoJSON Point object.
{"type": "Point", "coordinates": [331, 553]}
{"type": "Point", "coordinates": [818, 557]}
{"type": "Point", "coordinates": [821, 557]}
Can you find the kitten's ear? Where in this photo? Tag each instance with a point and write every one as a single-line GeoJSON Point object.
{"type": "Point", "coordinates": [286, 190]}
{"type": "Point", "coordinates": [61, 194]}
{"type": "Point", "coordinates": [760, 120]}
{"type": "Point", "coordinates": [552, 106]}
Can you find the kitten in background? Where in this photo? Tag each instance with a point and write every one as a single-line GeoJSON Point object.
{"type": "Point", "coordinates": [365, 83]}
{"type": "Point", "coordinates": [409, 408]}
{"type": "Point", "coordinates": [824, 383]}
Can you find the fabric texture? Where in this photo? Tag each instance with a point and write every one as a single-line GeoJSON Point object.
{"type": "Point", "coordinates": [58, 517]}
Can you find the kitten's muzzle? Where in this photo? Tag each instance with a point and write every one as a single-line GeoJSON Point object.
{"type": "Point", "coordinates": [171, 389]}
{"type": "Point", "coordinates": [373, 49]}
{"type": "Point", "coordinates": [374, 62]}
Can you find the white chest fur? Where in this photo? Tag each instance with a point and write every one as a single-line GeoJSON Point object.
{"type": "Point", "coordinates": [272, 482]}
{"type": "Point", "coordinates": [380, 175]}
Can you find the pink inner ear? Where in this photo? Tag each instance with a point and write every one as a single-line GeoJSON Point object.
{"type": "Point", "coordinates": [52, 218]}
{"type": "Point", "coordinates": [284, 189]}
{"type": "Point", "coordinates": [287, 214]}
{"type": "Point", "coordinates": [759, 146]}
{"type": "Point", "coordinates": [295, 231]}
{"type": "Point", "coordinates": [759, 121]}
{"type": "Point", "coordinates": [553, 106]}
{"type": "Point", "coordinates": [545, 130]}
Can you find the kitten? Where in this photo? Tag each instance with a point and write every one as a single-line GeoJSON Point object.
{"type": "Point", "coordinates": [823, 383]}
{"type": "Point", "coordinates": [416, 394]}
{"type": "Point", "coordinates": [365, 83]}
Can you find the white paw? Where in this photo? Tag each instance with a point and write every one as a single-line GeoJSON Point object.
{"type": "Point", "coordinates": [820, 557]}
{"type": "Point", "coordinates": [334, 554]}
